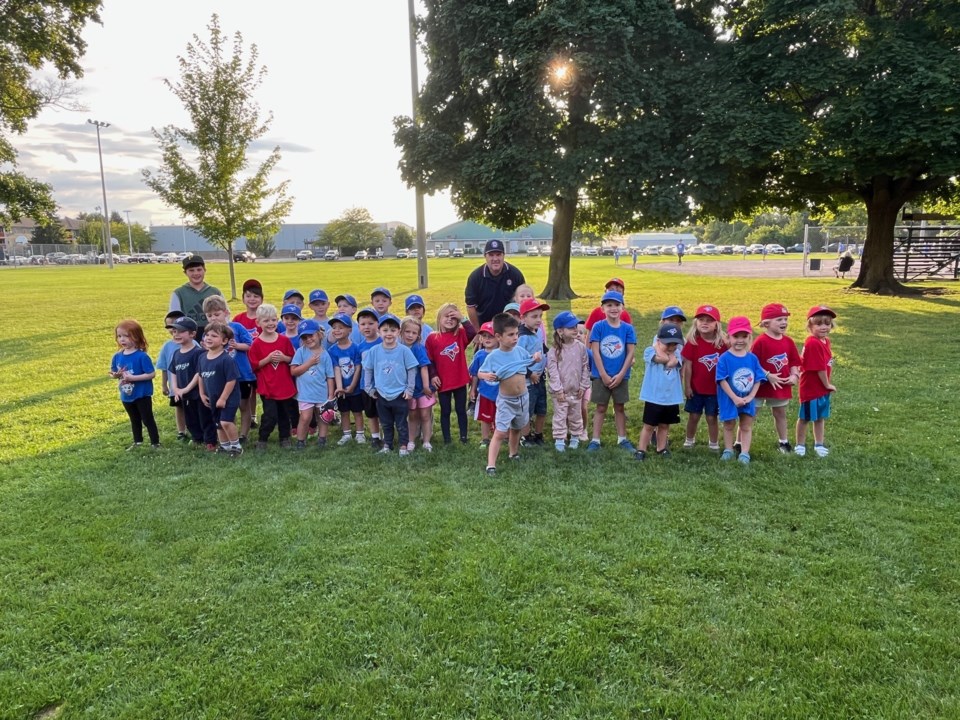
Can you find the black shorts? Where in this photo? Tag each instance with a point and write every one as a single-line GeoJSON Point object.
{"type": "Point", "coordinates": [351, 403]}
{"type": "Point", "coordinates": [247, 388]}
{"type": "Point", "coordinates": [174, 401]}
{"type": "Point", "coordinates": [654, 414]}
{"type": "Point", "coordinates": [369, 405]}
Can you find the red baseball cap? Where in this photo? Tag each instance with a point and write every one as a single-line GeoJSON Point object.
{"type": "Point", "coordinates": [487, 328]}
{"type": "Point", "coordinates": [614, 281]}
{"type": "Point", "coordinates": [708, 310]}
{"type": "Point", "coordinates": [740, 324]}
{"type": "Point", "coordinates": [532, 304]}
{"type": "Point", "coordinates": [773, 310]}
{"type": "Point", "coordinates": [820, 310]}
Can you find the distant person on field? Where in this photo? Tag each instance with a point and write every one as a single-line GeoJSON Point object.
{"type": "Point", "coordinates": [681, 249]}
{"type": "Point", "coordinates": [189, 297]}
{"type": "Point", "coordinates": [133, 368]}
{"type": "Point", "coordinates": [616, 255]}
{"type": "Point", "coordinates": [844, 265]}
{"type": "Point", "coordinates": [634, 254]}
{"type": "Point", "coordinates": [816, 383]}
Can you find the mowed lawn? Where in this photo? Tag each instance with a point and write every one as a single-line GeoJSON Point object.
{"type": "Point", "coordinates": [173, 584]}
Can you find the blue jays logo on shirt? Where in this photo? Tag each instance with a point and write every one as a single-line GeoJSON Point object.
{"type": "Point", "coordinates": [346, 366]}
{"type": "Point", "coordinates": [611, 346]}
{"type": "Point", "coordinates": [779, 362]}
{"type": "Point", "coordinates": [742, 380]}
{"type": "Point", "coordinates": [387, 368]}
{"type": "Point", "coordinates": [710, 361]}
{"type": "Point", "coordinates": [451, 351]}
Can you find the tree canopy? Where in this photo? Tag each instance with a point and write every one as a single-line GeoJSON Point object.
{"type": "Point", "coordinates": [353, 230]}
{"type": "Point", "coordinates": [34, 35]}
{"type": "Point", "coordinates": [403, 238]}
{"type": "Point", "coordinates": [205, 171]}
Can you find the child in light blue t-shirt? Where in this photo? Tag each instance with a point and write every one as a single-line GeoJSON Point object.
{"type": "Point", "coordinates": [661, 390]}
{"type": "Point", "coordinates": [313, 370]}
{"type": "Point", "coordinates": [389, 372]}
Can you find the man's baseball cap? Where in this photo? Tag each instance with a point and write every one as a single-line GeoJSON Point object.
{"type": "Point", "coordinates": [615, 281]}
{"type": "Point", "coordinates": [381, 291]}
{"type": "Point", "coordinates": [820, 310]}
{"type": "Point", "coordinates": [773, 310]}
{"type": "Point", "coordinates": [369, 311]}
{"type": "Point", "coordinates": [292, 293]}
{"type": "Point", "coordinates": [487, 328]}
{"type": "Point", "coordinates": [672, 311]}
{"type": "Point", "coordinates": [318, 296]}
{"type": "Point", "coordinates": [739, 324]}
{"type": "Point", "coordinates": [349, 298]}
{"type": "Point", "coordinates": [413, 300]}
{"type": "Point", "coordinates": [612, 296]}
{"type": "Point", "coordinates": [515, 307]}
{"type": "Point", "coordinates": [670, 334]}
{"type": "Point", "coordinates": [343, 319]}
{"type": "Point", "coordinates": [493, 246]}
{"type": "Point", "coordinates": [193, 261]}
{"type": "Point", "coordinates": [565, 319]}
{"type": "Point", "coordinates": [290, 310]}
{"type": "Point", "coordinates": [531, 304]}
{"type": "Point", "coordinates": [708, 310]}
{"type": "Point", "coordinates": [184, 323]}
{"type": "Point", "coordinates": [253, 286]}
{"type": "Point", "coordinates": [389, 318]}
{"type": "Point", "coordinates": [309, 327]}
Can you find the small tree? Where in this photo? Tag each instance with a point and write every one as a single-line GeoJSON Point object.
{"type": "Point", "coordinates": [402, 238]}
{"type": "Point", "coordinates": [262, 245]}
{"type": "Point", "coordinates": [353, 230]}
{"type": "Point", "coordinates": [205, 172]}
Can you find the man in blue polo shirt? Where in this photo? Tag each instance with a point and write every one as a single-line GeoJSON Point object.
{"type": "Point", "coordinates": [492, 285]}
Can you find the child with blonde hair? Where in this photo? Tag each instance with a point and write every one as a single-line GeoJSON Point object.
{"type": "Point", "coordinates": [525, 292]}
{"type": "Point", "coordinates": [701, 351]}
{"type": "Point", "coordinates": [778, 355]}
{"type": "Point", "coordinates": [313, 370]}
{"type": "Point", "coordinates": [420, 418]}
{"type": "Point", "coordinates": [568, 373]}
{"type": "Point", "coordinates": [270, 356]}
{"type": "Point", "coordinates": [447, 350]}
{"type": "Point", "coordinates": [816, 383]}
{"type": "Point", "coordinates": [133, 368]}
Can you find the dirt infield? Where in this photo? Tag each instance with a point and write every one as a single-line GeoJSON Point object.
{"type": "Point", "coordinates": [748, 268]}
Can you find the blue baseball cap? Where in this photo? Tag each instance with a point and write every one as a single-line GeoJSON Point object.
{"type": "Point", "coordinates": [343, 319]}
{"type": "Point", "coordinates": [290, 310]}
{"type": "Point", "coordinates": [414, 300]}
{"type": "Point", "coordinates": [673, 311]}
{"type": "Point", "coordinates": [612, 296]}
{"type": "Point", "coordinates": [309, 327]}
{"type": "Point", "coordinates": [381, 291]}
{"type": "Point", "coordinates": [349, 298]}
{"type": "Point", "coordinates": [292, 293]}
{"type": "Point", "coordinates": [316, 295]}
{"type": "Point", "coordinates": [369, 311]}
{"type": "Point", "coordinates": [512, 306]}
{"type": "Point", "coordinates": [565, 319]}
{"type": "Point", "coordinates": [389, 317]}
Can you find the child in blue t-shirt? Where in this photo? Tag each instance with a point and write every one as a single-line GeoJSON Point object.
{"type": "Point", "coordinates": [389, 375]}
{"type": "Point", "coordinates": [216, 309]}
{"type": "Point", "coordinates": [662, 389]}
{"type": "Point", "coordinates": [313, 370]}
{"type": "Point", "coordinates": [369, 320]}
{"type": "Point", "coordinates": [612, 345]}
{"type": "Point", "coordinates": [420, 419]}
{"type": "Point", "coordinates": [483, 393]}
{"type": "Point", "coordinates": [290, 316]}
{"type": "Point", "coordinates": [347, 374]}
{"type": "Point", "coordinates": [133, 368]}
{"type": "Point", "coordinates": [739, 374]}
{"type": "Point", "coordinates": [163, 362]}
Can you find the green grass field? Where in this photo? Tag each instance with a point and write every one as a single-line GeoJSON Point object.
{"type": "Point", "coordinates": [172, 584]}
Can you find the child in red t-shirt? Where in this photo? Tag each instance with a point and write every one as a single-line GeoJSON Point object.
{"type": "Point", "coordinates": [447, 349]}
{"type": "Point", "coordinates": [701, 352]}
{"type": "Point", "coordinates": [270, 356]}
{"type": "Point", "coordinates": [778, 355]}
{"type": "Point", "coordinates": [815, 383]}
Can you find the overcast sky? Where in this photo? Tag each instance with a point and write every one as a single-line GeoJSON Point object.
{"type": "Point", "coordinates": [338, 73]}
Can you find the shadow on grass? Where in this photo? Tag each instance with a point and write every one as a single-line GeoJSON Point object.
{"type": "Point", "coordinates": [43, 397]}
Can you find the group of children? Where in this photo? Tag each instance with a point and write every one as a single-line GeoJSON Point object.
{"type": "Point", "coordinates": [369, 369]}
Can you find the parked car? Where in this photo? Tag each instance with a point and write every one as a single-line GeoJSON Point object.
{"type": "Point", "coordinates": [168, 257]}
{"type": "Point", "coordinates": [414, 254]}
{"type": "Point", "coordinates": [430, 254]}
{"type": "Point", "coordinates": [52, 257]}
{"type": "Point", "coordinates": [533, 250]}
{"type": "Point", "coordinates": [143, 258]}
{"type": "Point", "coordinates": [545, 251]}
{"type": "Point", "coordinates": [591, 251]}
{"type": "Point", "coordinates": [737, 249]}
{"type": "Point", "coordinates": [243, 256]}
{"type": "Point", "coordinates": [696, 250]}
{"type": "Point", "coordinates": [725, 249]}
{"type": "Point", "coordinates": [576, 251]}
{"type": "Point", "coordinates": [775, 249]}
{"type": "Point", "coordinates": [403, 254]}
{"type": "Point", "coordinates": [651, 250]}
{"type": "Point", "coordinates": [443, 253]}
{"type": "Point", "coordinates": [755, 249]}
{"type": "Point", "coordinates": [608, 250]}
{"type": "Point", "coordinates": [668, 250]}
{"type": "Point", "coordinates": [181, 256]}
{"type": "Point", "coordinates": [457, 252]}
{"type": "Point", "coordinates": [360, 255]}
{"type": "Point", "coordinates": [376, 255]}
{"type": "Point", "coordinates": [798, 248]}
{"type": "Point", "coordinates": [305, 255]}
{"type": "Point", "coordinates": [331, 255]}
{"type": "Point", "coordinates": [709, 249]}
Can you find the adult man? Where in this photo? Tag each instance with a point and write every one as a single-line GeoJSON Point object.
{"type": "Point", "coordinates": [492, 285]}
{"type": "Point", "coordinates": [189, 297]}
{"type": "Point", "coordinates": [681, 249]}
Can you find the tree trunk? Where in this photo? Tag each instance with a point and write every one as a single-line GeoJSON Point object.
{"type": "Point", "coordinates": [558, 276]}
{"type": "Point", "coordinates": [884, 198]}
{"type": "Point", "coordinates": [233, 278]}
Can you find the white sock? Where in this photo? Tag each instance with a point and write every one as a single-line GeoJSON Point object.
{"type": "Point", "coordinates": [621, 438]}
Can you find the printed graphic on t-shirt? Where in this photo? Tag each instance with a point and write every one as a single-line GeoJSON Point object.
{"type": "Point", "coordinates": [346, 367]}
{"type": "Point", "coordinates": [779, 362]}
{"type": "Point", "coordinates": [709, 361]}
{"type": "Point", "coordinates": [451, 351]}
{"type": "Point", "coordinates": [742, 380]}
{"type": "Point", "coordinates": [611, 347]}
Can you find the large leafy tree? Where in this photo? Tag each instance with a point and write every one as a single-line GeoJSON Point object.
{"type": "Point", "coordinates": [353, 230]}
{"type": "Point", "coordinates": [205, 173]}
{"type": "Point", "coordinates": [842, 101]}
{"type": "Point", "coordinates": [580, 108]}
{"type": "Point", "coordinates": [34, 35]}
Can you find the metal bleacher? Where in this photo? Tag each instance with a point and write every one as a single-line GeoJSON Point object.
{"type": "Point", "coordinates": [928, 251]}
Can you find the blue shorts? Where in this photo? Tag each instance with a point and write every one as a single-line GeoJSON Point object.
{"type": "Point", "coordinates": [702, 405]}
{"type": "Point", "coordinates": [818, 409]}
{"type": "Point", "coordinates": [227, 414]}
{"type": "Point", "coordinates": [538, 397]}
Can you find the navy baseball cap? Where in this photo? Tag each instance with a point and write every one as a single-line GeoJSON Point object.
{"type": "Point", "coordinates": [290, 310]}
{"type": "Point", "coordinates": [673, 311]}
{"type": "Point", "coordinates": [349, 298]}
{"type": "Point", "coordinates": [389, 318]}
{"type": "Point", "coordinates": [493, 246]}
{"type": "Point", "coordinates": [414, 300]}
{"type": "Point", "coordinates": [316, 295]}
{"type": "Point", "coordinates": [670, 334]}
{"type": "Point", "coordinates": [343, 319]}
{"type": "Point", "coordinates": [292, 293]}
{"type": "Point", "coordinates": [565, 319]}
{"type": "Point", "coordinates": [381, 291]}
{"type": "Point", "coordinates": [612, 296]}
{"type": "Point", "coordinates": [309, 327]}
{"type": "Point", "coordinates": [184, 323]}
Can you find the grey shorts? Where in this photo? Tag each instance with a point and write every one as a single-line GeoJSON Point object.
{"type": "Point", "coordinates": [601, 394]}
{"type": "Point", "coordinates": [513, 412]}
{"type": "Point", "coordinates": [772, 402]}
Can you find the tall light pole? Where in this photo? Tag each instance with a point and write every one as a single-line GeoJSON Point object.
{"type": "Point", "coordinates": [415, 92]}
{"type": "Point", "coordinates": [129, 233]}
{"type": "Point", "coordinates": [103, 186]}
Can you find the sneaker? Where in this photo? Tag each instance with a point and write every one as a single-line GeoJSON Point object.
{"type": "Point", "coordinates": [361, 439]}
{"type": "Point", "coordinates": [211, 447]}
{"type": "Point", "coordinates": [491, 470]}
{"type": "Point", "coordinates": [744, 458]}
{"type": "Point", "coordinates": [347, 438]}
{"type": "Point", "coordinates": [155, 446]}
{"type": "Point", "coordinates": [627, 445]}
{"type": "Point", "coordinates": [376, 443]}
{"type": "Point", "coordinates": [404, 452]}
{"type": "Point", "coordinates": [663, 453]}
{"type": "Point", "coordinates": [784, 448]}
{"type": "Point", "coordinates": [384, 451]}
{"type": "Point", "coordinates": [253, 424]}
{"type": "Point", "coordinates": [236, 451]}
{"type": "Point", "coordinates": [538, 439]}
{"type": "Point", "coordinates": [689, 442]}
{"type": "Point", "coordinates": [464, 441]}
{"type": "Point", "coordinates": [484, 444]}
{"type": "Point", "coordinates": [800, 450]}
{"type": "Point", "coordinates": [714, 446]}
{"type": "Point", "coordinates": [515, 458]}
{"type": "Point", "coordinates": [560, 446]}
{"type": "Point", "coordinates": [321, 442]}
{"type": "Point", "coordinates": [726, 455]}
{"type": "Point", "coordinates": [301, 444]}
{"type": "Point", "coordinates": [640, 455]}
{"type": "Point", "coordinates": [528, 440]}
{"type": "Point", "coordinates": [285, 444]}
{"type": "Point", "coordinates": [261, 445]}
{"type": "Point", "coordinates": [821, 450]}
{"type": "Point", "coordinates": [593, 446]}
{"type": "Point", "coordinates": [135, 446]}
{"type": "Point", "coordinates": [183, 437]}
{"type": "Point", "coordinates": [428, 447]}
{"type": "Point", "coordinates": [574, 443]}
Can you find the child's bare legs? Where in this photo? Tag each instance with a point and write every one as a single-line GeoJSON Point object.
{"type": "Point", "coordinates": [746, 433]}
{"type": "Point", "coordinates": [228, 432]}
{"type": "Point", "coordinates": [819, 426]}
{"type": "Point", "coordinates": [494, 449]}
{"type": "Point", "coordinates": [413, 428]}
{"type": "Point", "coordinates": [729, 433]}
{"type": "Point", "coordinates": [780, 421]}
{"type": "Point", "coordinates": [245, 417]}
{"type": "Point", "coordinates": [374, 426]}
{"type": "Point", "coordinates": [620, 419]}
{"type": "Point", "coordinates": [538, 422]}
{"type": "Point", "coordinates": [646, 432]}
{"type": "Point", "coordinates": [426, 425]}
{"type": "Point", "coordinates": [713, 429]}
{"type": "Point", "coordinates": [181, 419]}
{"type": "Point", "coordinates": [485, 428]}
{"type": "Point", "coordinates": [357, 423]}
{"type": "Point", "coordinates": [599, 413]}
{"type": "Point", "coordinates": [514, 442]}
{"type": "Point", "coordinates": [693, 419]}
{"type": "Point", "coordinates": [304, 425]}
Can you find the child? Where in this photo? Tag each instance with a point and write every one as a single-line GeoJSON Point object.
{"type": "Point", "coordinates": [293, 297]}
{"type": "Point", "coordinates": [483, 393]}
{"type": "Point", "coordinates": [184, 378]}
{"type": "Point", "coordinates": [346, 360]}
{"type": "Point", "coordinates": [446, 348]}
{"type": "Point", "coordinates": [416, 309]}
{"type": "Point", "coordinates": [531, 325]}
{"type": "Point", "coordinates": [347, 305]}
{"type": "Point", "coordinates": [815, 383]}
{"type": "Point", "coordinates": [596, 315]}
{"type": "Point", "coordinates": [583, 335]}
{"type": "Point", "coordinates": [270, 356]}
{"type": "Point", "coordinates": [291, 317]}
{"type": "Point", "coordinates": [779, 357]}
{"type": "Point", "coordinates": [662, 389]}
{"type": "Point", "coordinates": [218, 376]}
{"type": "Point", "coordinates": [523, 293]}
{"type": "Point", "coordinates": [252, 299]}
{"type": "Point", "coordinates": [189, 297]}
{"type": "Point", "coordinates": [701, 353]}
{"type": "Point", "coordinates": [313, 370]}
{"type": "Point", "coordinates": [739, 375]}
{"type": "Point", "coordinates": [612, 345]}
{"type": "Point", "coordinates": [381, 299]}
{"type": "Point", "coordinates": [513, 309]}
{"type": "Point", "coordinates": [163, 363]}
{"type": "Point", "coordinates": [569, 376]}
{"type": "Point", "coordinates": [507, 366]}
{"type": "Point", "coordinates": [132, 367]}
{"type": "Point", "coordinates": [420, 420]}
{"type": "Point", "coordinates": [389, 372]}
{"type": "Point", "coordinates": [320, 303]}
{"type": "Point", "coordinates": [368, 320]}
{"type": "Point", "coordinates": [216, 310]}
